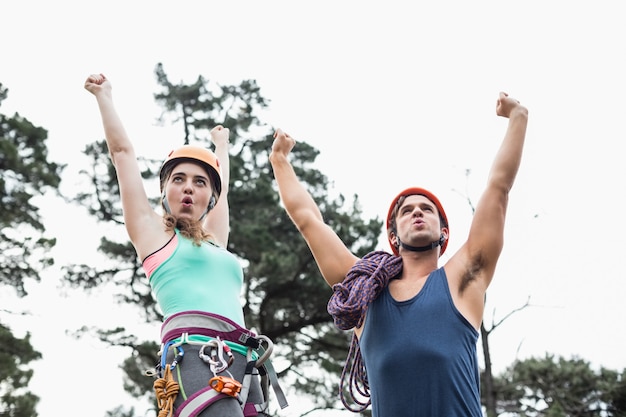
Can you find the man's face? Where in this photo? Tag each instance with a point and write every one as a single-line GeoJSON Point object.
{"type": "Point", "coordinates": [417, 221]}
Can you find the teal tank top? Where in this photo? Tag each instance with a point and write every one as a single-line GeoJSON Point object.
{"type": "Point", "coordinates": [202, 278]}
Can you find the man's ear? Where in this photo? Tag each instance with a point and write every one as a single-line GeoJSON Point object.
{"type": "Point", "coordinates": [393, 239]}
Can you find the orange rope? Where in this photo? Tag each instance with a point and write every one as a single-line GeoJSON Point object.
{"type": "Point", "coordinates": [166, 391]}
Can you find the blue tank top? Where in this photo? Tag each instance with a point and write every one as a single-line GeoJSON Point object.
{"type": "Point", "coordinates": [420, 355]}
{"type": "Point", "coordinates": [205, 278]}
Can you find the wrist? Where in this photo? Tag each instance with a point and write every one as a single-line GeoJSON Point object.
{"type": "Point", "coordinates": [221, 144]}
{"type": "Point", "coordinates": [519, 111]}
{"type": "Point", "coordinates": [277, 157]}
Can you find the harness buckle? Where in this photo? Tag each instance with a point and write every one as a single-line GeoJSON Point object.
{"type": "Point", "coordinates": [225, 385]}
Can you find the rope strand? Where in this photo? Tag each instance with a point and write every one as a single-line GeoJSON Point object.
{"type": "Point", "coordinates": [166, 389]}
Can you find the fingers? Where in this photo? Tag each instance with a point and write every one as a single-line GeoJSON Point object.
{"type": "Point", "coordinates": [504, 95]}
{"type": "Point", "coordinates": [501, 97]}
{"type": "Point", "coordinates": [219, 132]}
{"type": "Point", "coordinates": [506, 104]}
{"type": "Point", "coordinates": [96, 79]}
{"type": "Point", "coordinates": [283, 143]}
{"type": "Point", "coordinates": [220, 135]}
{"type": "Point", "coordinates": [280, 134]}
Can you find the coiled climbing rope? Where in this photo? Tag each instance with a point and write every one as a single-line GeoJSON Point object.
{"type": "Point", "coordinates": [348, 306]}
{"type": "Point", "coordinates": [166, 389]}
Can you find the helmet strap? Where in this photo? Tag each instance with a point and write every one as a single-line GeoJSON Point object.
{"type": "Point", "coordinates": [428, 247]}
{"type": "Point", "coordinates": [165, 204]}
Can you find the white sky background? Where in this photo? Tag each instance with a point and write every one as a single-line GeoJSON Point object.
{"type": "Point", "coordinates": [393, 95]}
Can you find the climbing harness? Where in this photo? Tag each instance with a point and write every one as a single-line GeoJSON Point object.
{"type": "Point", "coordinates": [215, 353]}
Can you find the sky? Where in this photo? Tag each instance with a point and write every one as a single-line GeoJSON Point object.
{"type": "Point", "coordinates": [393, 94]}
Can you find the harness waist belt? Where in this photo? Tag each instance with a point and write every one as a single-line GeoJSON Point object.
{"type": "Point", "coordinates": [207, 324]}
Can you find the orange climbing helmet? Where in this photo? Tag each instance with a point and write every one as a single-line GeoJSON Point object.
{"type": "Point", "coordinates": [431, 197]}
{"type": "Point", "coordinates": [191, 153]}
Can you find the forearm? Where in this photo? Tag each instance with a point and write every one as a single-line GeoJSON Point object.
{"type": "Point", "coordinates": [217, 222]}
{"type": "Point", "coordinates": [298, 202]}
{"type": "Point", "coordinates": [116, 137]}
{"type": "Point", "coordinates": [509, 156]}
{"type": "Point", "coordinates": [223, 156]}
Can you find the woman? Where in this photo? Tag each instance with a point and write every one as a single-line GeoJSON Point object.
{"type": "Point", "coordinates": [196, 281]}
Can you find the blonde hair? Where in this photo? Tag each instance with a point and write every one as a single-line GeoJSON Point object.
{"type": "Point", "coordinates": [191, 229]}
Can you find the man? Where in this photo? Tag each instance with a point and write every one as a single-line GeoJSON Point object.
{"type": "Point", "coordinates": [415, 323]}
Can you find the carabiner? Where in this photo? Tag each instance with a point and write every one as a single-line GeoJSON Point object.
{"type": "Point", "coordinates": [268, 350]}
{"type": "Point", "coordinates": [216, 359]}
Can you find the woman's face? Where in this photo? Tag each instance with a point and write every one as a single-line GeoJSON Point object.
{"type": "Point", "coordinates": [188, 191]}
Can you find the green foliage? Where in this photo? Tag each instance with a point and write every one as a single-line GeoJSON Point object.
{"type": "Point", "coordinates": [15, 355]}
{"type": "Point", "coordinates": [555, 386]}
{"type": "Point", "coordinates": [25, 173]}
{"type": "Point", "coordinates": [121, 412]}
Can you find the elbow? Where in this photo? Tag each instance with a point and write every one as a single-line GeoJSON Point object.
{"type": "Point", "coordinates": [120, 153]}
{"type": "Point", "coordinates": [502, 181]}
{"type": "Point", "coordinates": [304, 220]}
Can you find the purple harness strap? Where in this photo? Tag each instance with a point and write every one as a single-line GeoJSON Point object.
{"type": "Point", "coordinates": [198, 402]}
